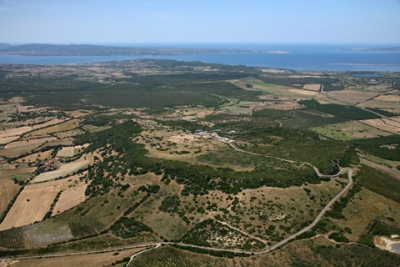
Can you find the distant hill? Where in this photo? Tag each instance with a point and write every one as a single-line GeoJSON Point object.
{"type": "Point", "coordinates": [374, 49]}
{"type": "Point", "coordinates": [98, 50]}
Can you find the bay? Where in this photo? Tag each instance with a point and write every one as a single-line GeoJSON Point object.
{"type": "Point", "coordinates": [298, 57]}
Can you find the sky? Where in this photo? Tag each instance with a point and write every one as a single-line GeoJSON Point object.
{"type": "Point", "coordinates": [200, 21]}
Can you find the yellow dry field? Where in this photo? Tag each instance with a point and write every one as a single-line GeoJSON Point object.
{"type": "Point", "coordinates": [383, 102]}
{"type": "Point", "coordinates": [312, 87]}
{"type": "Point", "coordinates": [30, 206]}
{"type": "Point", "coordinates": [33, 202]}
{"type": "Point", "coordinates": [302, 92]}
{"type": "Point", "coordinates": [47, 123]}
{"type": "Point", "coordinates": [384, 124]}
{"type": "Point", "coordinates": [389, 98]}
{"type": "Point", "coordinates": [9, 135]}
{"type": "Point", "coordinates": [12, 133]}
{"type": "Point", "coordinates": [70, 198]}
{"type": "Point", "coordinates": [65, 126]}
{"type": "Point", "coordinates": [64, 170]}
{"type": "Point", "coordinates": [8, 189]}
{"type": "Point", "coordinates": [30, 143]}
{"type": "Point", "coordinates": [45, 155]}
{"type": "Point", "coordinates": [90, 260]}
{"type": "Point", "coordinates": [352, 96]}
{"type": "Point", "coordinates": [8, 139]}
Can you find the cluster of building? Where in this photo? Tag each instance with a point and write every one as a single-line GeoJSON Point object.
{"type": "Point", "coordinates": [213, 134]}
{"type": "Point", "coordinates": [49, 164]}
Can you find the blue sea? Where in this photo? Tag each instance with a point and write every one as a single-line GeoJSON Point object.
{"type": "Point", "coordinates": [299, 57]}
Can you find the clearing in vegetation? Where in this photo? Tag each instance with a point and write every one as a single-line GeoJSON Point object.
{"type": "Point", "coordinates": [350, 130]}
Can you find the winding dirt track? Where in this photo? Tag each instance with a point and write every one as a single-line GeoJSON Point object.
{"type": "Point", "coordinates": [270, 249]}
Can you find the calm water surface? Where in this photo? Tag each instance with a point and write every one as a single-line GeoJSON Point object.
{"type": "Point", "coordinates": [300, 57]}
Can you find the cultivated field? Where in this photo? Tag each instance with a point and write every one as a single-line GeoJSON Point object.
{"type": "Point", "coordinates": [384, 124]}
{"type": "Point", "coordinates": [70, 198]}
{"type": "Point", "coordinates": [65, 126]}
{"type": "Point", "coordinates": [383, 102]}
{"type": "Point", "coordinates": [8, 189]}
{"type": "Point", "coordinates": [312, 87]}
{"type": "Point", "coordinates": [64, 170]}
{"type": "Point", "coordinates": [352, 96]}
{"type": "Point", "coordinates": [29, 143]}
{"type": "Point", "coordinates": [31, 206]}
{"type": "Point", "coordinates": [35, 200]}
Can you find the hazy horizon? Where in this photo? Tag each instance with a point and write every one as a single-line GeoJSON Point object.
{"type": "Point", "coordinates": [176, 21]}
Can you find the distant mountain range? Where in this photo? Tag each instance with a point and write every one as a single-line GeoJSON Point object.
{"type": "Point", "coordinates": [374, 49]}
{"type": "Point", "coordinates": [98, 50]}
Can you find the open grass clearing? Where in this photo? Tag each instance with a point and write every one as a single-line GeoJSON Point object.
{"type": "Point", "coordinates": [365, 207]}
{"type": "Point", "coordinates": [197, 111]}
{"type": "Point", "coordinates": [283, 209]}
{"type": "Point", "coordinates": [70, 151]}
{"type": "Point", "coordinates": [282, 91]}
{"type": "Point", "coordinates": [177, 145]}
{"type": "Point", "coordinates": [69, 133]}
{"type": "Point", "coordinates": [352, 96]}
{"type": "Point", "coordinates": [349, 130]}
{"type": "Point", "coordinates": [94, 129]}
{"type": "Point", "coordinates": [65, 169]}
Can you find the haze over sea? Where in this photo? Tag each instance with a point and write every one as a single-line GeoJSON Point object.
{"type": "Point", "coordinates": [299, 57]}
